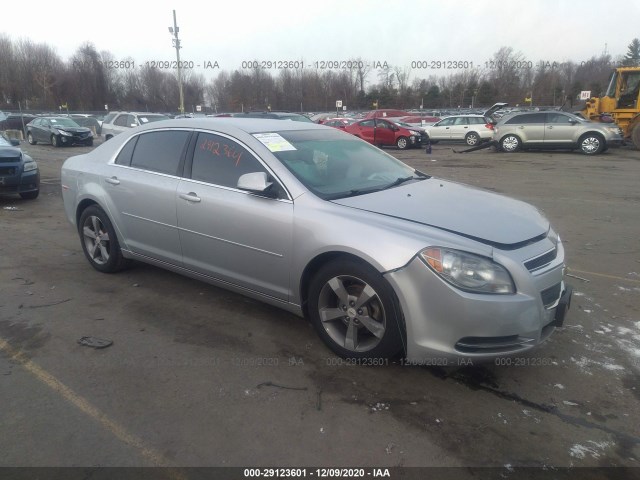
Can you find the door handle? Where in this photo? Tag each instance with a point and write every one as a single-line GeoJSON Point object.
{"type": "Point", "coordinates": [190, 197]}
{"type": "Point", "coordinates": [521, 127]}
{"type": "Point", "coordinates": [112, 180]}
{"type": "Point", "coordinates": [466, 127]}
{"type": "Point", "coordinates": [550, 127]}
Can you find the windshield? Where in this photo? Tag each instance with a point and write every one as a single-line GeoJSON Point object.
{"type": "Point", "coordinates": [4, 142]}
{"type": "Point", "coordinates": [63, 122]}
{"type": "Point", "coordinates": [333, 164]}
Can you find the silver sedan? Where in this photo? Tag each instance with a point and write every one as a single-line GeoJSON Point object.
{"type": "Point", "coordinates": [381, 258]}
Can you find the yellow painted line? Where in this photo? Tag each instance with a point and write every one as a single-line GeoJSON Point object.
{"type": "Point", "coordinates": [85, 407]}
{"type": "Point", "coordinates": [613, 277]}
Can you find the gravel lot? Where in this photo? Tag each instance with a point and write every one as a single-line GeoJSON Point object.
{"type": "Point", "coordinates": [196, 375]}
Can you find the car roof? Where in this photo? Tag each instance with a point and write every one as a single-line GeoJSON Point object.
{"type": "Point", "coordinates": [231, 125]}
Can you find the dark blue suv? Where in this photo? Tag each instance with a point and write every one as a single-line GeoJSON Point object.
{"type": "Point", "coordinates": [18, 171]}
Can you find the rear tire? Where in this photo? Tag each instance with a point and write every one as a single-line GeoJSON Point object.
{"type": "Point", "coordinates": [99, 241]}
{"type": "Point", "coordinates": [472, 139]}
{"type": "Point", "coordinates": [510, 144]}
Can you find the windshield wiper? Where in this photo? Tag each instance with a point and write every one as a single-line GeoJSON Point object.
{"type": "Point", "coordinates": [401, 180]}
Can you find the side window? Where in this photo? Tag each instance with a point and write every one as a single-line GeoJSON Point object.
{"type": "Point", "coordinates": [367, 123]}
{"type": "Point", "coordinates": [381, 124]}
{"type": "Point", "coordinates": [124, 157]}
{"type": "Point", "coordinates": [447, 122]}
{"type": "Point", "coordinates": [221, 161]}
{"type": "Point", "coordinates": [557, 119]}
{"type": "Point", "coordinates": [461, 121]}
{"type": "Point", "coordinates": [121, 120]}
{"type": "Point", "coordinates": [160, 151]}
{"type": "Point", "coordinates": [527, 119]}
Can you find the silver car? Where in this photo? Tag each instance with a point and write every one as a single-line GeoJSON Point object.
{"type": "Point", "coordinates": [554, 130]}
{"type": "Point", "coordinates": [380, 257]}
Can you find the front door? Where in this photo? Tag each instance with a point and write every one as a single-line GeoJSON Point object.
{"type": "Point", "coordinates": [230, 234]}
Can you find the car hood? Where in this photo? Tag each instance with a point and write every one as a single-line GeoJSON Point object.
{"type": "Point", "coordinates": [9, 152]}
{"type": "Point", "coordinates": [73, 129]}
{"type": "Point", "coordinates": [483, 216]}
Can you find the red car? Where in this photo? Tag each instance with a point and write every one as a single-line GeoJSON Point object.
{"type": "Point", "coordinates": [383, 132]}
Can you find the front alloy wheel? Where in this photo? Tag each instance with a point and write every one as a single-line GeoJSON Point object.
{"type": "Point", "coordinates": [402, 143]}
{"type": "Point", "coordinates": [591, 144]}
{"type": "Point", "coordinates": [354, 311]}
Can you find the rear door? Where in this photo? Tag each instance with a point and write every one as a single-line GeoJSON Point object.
{"type": "Point", "coordinates": [529, 127]}
{"type": "Point", "coordinates": [141, 189]}
{"type": "Point", "coordinates": [366, 130]}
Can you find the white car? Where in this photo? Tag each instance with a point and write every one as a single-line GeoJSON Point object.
{"type": "Point", "coordinates": [472, 129]}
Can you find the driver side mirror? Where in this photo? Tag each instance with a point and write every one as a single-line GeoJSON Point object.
{"type": "Point", "coordinates": [256, 182]}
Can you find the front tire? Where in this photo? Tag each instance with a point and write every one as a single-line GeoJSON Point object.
{"type": "Point", "coordinates": [355, 311]}
{"type": "Point", "coordinates": [30, 195]}
{"type": "Point", "coordinates": [510, 144]}
{"type": "Point", "coordinates": [99, 241]}
{"type": "Point", "coordinates": [591, 144]}
{"type": "Point", "coordinates": [472, 139]}
{"type": "Point", "coordinates": [635, 136]}
{"type": "Point", "coordinates": [54, 141]}
{"type": "Point", "coordinates": [30, 139]}
{"type": "Point", "coordinates": [402, 143]}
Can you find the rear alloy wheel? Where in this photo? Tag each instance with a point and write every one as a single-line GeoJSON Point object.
{"type": "Point", "coordinates": [99, 241]}
{"type": "Point", "coordinates": [472, 139]}
{"type": "Point", "coordinates": [54, 141]}
{"type": "Point", "coordinates": [402, 143]}
{"type": "Point", "coordinates": [591, 144]}
{"type": "Point", "coordinates": [510, 144]}
{"type": "Point", "coordinates": [354, 311]}
{"type": "Point", "coordinates": [30, 139]}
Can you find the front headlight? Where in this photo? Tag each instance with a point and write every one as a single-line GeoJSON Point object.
{"type": "Point", "coordinates": [614, 130]}
{"type": "Point", "coordinates": [413, 132]}
{"type": "Point", "coordinates": [468, 272]}
{"type": "Point", "coordinates": [30, 166]}
{"type": "Point", "coordinates": [66, 134]}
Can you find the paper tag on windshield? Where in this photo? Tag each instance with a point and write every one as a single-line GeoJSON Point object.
{"type": "Point", "coordinates": [274, 142]}
{"type": "Point", "coordinates": [144, 120]}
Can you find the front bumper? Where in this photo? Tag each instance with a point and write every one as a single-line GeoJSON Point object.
{"type": "Point", "coordinates": [18, 182]}
{"type": "Point", "coordinates": [446, 323]}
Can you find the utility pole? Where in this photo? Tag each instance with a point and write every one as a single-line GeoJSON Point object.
{"type": "Point", "coordinates": [176, 43]}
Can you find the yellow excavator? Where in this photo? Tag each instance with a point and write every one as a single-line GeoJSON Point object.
{"type": "Point", "coordinates": [620, 103]}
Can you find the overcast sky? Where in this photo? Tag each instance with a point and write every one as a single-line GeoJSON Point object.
{"type": "Point", "coordinates": [395, 31]}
